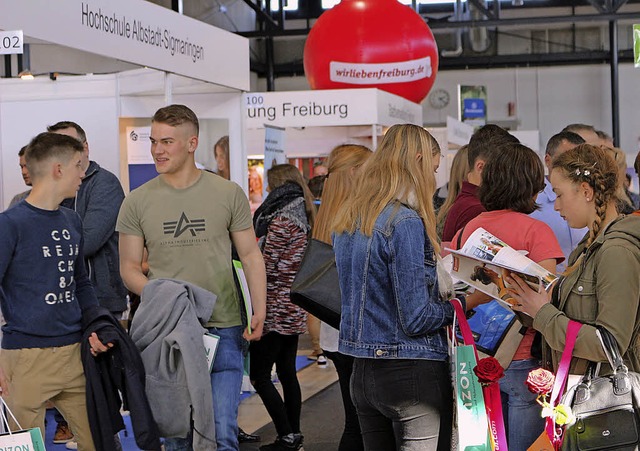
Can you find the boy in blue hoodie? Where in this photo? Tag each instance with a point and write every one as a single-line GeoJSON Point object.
{"type": "Point", "coordinates": [44, 288]}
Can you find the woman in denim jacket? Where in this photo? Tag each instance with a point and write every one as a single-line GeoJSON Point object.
{"type": "Point", "coordinates": [393, 320]}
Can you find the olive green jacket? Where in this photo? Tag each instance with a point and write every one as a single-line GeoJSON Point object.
{"type": "Point", "coordinates": [605, 291]}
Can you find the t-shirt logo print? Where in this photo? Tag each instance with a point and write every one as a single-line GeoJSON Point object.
{"type": "Point", "coordinates": [177, 228]}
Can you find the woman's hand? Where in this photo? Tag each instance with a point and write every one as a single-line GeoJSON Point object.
{"type": "Point", "coordinates": [529, 301]}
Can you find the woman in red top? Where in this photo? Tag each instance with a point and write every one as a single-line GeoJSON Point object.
{"type": "Point", "coordinates": [510, 184]}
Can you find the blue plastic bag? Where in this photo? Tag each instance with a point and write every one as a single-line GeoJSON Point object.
{"type": "Point", "coordinates": [492, 324]}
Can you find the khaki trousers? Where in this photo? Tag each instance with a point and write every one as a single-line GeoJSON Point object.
{"type": "Point", "coordinates": [39, 374]}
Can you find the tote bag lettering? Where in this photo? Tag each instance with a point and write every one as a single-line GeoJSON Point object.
{"type": "Point", "coordinates": [25, 440]}
{"type": "Point", "coordinates": [21, 440]}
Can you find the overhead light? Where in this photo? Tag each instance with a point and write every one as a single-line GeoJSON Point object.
{"type": "Point", "coordinates": [26, 75]}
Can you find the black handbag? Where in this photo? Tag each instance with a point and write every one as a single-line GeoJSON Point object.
{"type": "Point", "coordinates": [606, 408]}
{"type": "Point", "coordinates": [316, 287]}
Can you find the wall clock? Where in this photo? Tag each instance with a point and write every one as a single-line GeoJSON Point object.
{"type": "Point", "coordinates": [439, 98]}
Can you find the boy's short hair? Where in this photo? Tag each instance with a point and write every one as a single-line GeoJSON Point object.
{"type": "Point", "coordinates": [82, 136]}
{"type": "Point", "coordinates": [22, 150]}
{"type": "Point", "coordinates": [556, 140]}
{"type": "Point", "coordinates": [484, 142]}
{"type": "Point", "coordinates": [49, 145]}
{"type": "Point", "coordinates": [175, 115]}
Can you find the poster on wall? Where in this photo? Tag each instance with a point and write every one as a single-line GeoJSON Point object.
{"type": "Point", "coordinates": [472, 105]}
{"type": "Point", "coordinates": [273, 151]}
{"type": "Point", "coordinates": [139, 159]}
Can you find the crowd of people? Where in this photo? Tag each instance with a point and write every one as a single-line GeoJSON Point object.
{"type": "Point", "coordinates": [74, 249]}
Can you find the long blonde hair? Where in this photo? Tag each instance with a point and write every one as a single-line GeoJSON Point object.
{"type": "Point", "coordinates": [338, 185]}
{"type": "Point", "coordinates": [401, 167]}
{"type": "Point", "coordinates": [458, 174]}
{"type": "Point", "coordinates": [280, 174]}
{"type": "Point", "coordinates": [595, 166]}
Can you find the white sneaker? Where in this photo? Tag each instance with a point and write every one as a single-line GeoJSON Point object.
{"type": "Point", "coordinates": [322, 360]}
{"type": "Point", "coordinates": [71, 445]}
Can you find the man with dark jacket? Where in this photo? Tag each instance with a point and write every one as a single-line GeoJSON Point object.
{"type": "Point", "coordinates": [97, 203]}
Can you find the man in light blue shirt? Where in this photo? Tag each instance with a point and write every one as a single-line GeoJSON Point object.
{"type": "Point", "coordinates": [567, 237]}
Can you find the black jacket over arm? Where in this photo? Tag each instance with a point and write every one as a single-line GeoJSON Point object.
{"type": "Point", "coordinates": [119, 369]}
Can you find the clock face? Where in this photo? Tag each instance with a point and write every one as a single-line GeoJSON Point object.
{"type": "Point", "coordinates": [439, 98]}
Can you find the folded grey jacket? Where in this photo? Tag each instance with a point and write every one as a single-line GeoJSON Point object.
{"type": "Point", "coordinates": [167, 330]}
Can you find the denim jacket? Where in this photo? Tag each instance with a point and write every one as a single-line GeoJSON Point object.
{"type": "Point", "coordinates": [390, 303]}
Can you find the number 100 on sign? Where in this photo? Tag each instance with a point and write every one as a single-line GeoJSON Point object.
{"type": "Point", "coordinates": [11, 42]}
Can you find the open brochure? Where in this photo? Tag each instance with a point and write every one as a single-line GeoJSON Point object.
{"type": "Point", "coordinates": [485, 259]}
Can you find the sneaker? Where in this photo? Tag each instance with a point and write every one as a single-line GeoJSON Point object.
{"type": "Point", "coordinates": [63, 433]}
{"type": "Point", "coordinates": [322, 360]}
{"type": "Point", "coordinates": [314, 355]}
{"type": "Point", "coordinates": [71, 445]}
{"type": "Point", "coordinates": [289, 442]}
{"type": "Point", "coordinates": [244, 437]}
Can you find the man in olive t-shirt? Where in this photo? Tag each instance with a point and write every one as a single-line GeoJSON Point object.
{"type": "Point", "coordinates": [187, 220]}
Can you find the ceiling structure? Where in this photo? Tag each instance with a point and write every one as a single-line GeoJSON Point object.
{"type": "Point", "coordinates": [469, 33]}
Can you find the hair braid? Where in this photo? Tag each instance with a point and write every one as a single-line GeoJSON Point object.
{"type": "Point", "coordinates": [601, 200]}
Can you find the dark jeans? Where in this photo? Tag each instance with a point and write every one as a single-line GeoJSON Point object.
{"type": "Point", "coordinates": [281, 350]}
{"type": "Point", "coordinates": [404, 405]}
{"type": "Point", "coordinates": [351, 439]}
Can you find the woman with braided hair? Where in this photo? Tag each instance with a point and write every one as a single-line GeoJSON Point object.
{"type": "Point", "coordinates": [601, 286]}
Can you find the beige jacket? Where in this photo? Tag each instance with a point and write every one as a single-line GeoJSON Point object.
{"type": "Point", "coordinates": [604, 290]}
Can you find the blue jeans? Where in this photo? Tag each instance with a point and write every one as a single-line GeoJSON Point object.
{"type": "Point", "coordinates": [226, 383]}
{"type": "Point", "coordinates": [519, 406]}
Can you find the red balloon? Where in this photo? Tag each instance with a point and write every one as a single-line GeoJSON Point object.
{"type": "Point", "coordinates": [372, 44]}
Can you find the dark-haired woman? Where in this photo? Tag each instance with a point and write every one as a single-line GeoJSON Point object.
{"type": "Point", "coordinates": [510, 184]}
{"type": "Point", "coordinates": [283, 225]}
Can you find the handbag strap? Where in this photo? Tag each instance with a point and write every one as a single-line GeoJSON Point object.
{"type": "Point", "coordinates": [611, 349]}
{"type": "Point", "coordinates": [561, 380]}
{"type": "Point", "coordinates": [465, 330]}
{"type": "Point", "coordinates": [563, 369]}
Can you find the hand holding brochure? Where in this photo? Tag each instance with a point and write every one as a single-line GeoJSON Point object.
{"type": "Point", "coordinates": [484, 260]}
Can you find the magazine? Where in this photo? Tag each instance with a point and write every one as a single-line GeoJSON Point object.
{"type": "Point", "coordinates": [244, 291]}
{"type": "Point", "coordinates": [485, 259]}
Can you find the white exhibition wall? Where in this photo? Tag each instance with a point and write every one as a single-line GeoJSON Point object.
{"type": "Point", "coordinates": [21, 120]}
{"type": "Point", "coordinates": [206, 106]}
{"type": "Point", "coordinates": [27, 107]}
